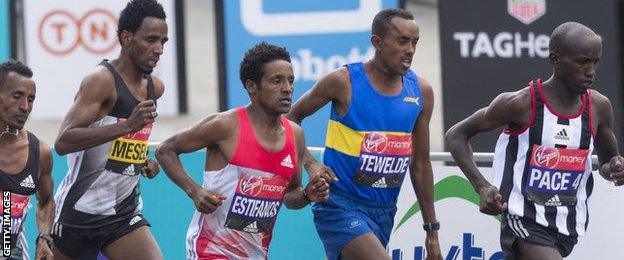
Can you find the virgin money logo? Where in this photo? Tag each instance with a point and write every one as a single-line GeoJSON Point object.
{"type": "Point", "coordinates": [375, 143]}
{"type": "Point", "coordinates": [547, 157]}
{"type": "Point", "coordinates": [526, 11]}
{"type": "Point", "coordinates": [250, 185]}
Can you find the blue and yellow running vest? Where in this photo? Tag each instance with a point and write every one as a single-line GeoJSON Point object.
{"type": "Point", "coordinates": [369, 148]}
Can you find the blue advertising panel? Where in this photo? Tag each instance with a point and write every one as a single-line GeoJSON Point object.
{"type": "Point", "coordinates": [320, 35]}
{"type": "Point", "coordinates": [5, 31]}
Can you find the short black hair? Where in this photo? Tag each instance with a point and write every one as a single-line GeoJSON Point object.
{"type": "Point", "coordinates": [383, 18]}
{"type": "Point", "coordinates": [132, 16]}
{"type": "Point", "coordinates": [560, 36]}
{"type": "Point", "coordinates": [13, 66]}
{"type": "Point", "coordinates": [252, 65]}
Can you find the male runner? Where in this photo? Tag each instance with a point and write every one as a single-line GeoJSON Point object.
{"type": "Point", "coordinates": [25, 163]}
{"type": "Point", "coordinates": [378, 129]}
{"type": "Point", "coordinates": [106, 135]}
{"type": "Point", "coordinates": [252, 164]}
{"type": "Point", "coordinates": [542, 161]}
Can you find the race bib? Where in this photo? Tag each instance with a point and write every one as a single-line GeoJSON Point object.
{"type": "Point", "coordinates": [255, 203]}
{"type": "Point", "coordinates": [384, 160]}
{"type": "Point", "coordinates": [128, 153]}
{"type": "Point", "coordinates": [14, 208]}
{"type": "Point", "coordinates": [554, 175]}
{"type": "Point", "coordinates": [19, 205]}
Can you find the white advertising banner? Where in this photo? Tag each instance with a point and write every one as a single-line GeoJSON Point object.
{"type": "Point", "coordinates": [65, 40]}
{"type": "Point", "coordinates": [468, 234]}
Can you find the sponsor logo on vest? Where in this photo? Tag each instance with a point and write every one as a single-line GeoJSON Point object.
{"type": "Point", "coordinates": [381, 183]}
{"type": "Point", "coordinates": [415, 100]}
{"type": "Point", "coordinates": [287, 162]}
{"type": "Point", "coordinates": [252, 227]}
{"type": "Point", "coordinates": [251, 185]}
{"type": "Point", "coordinates": [28, 182]}
{"type": "Point", "coordinates": [554, 201]}
{"type": "Point", "coordinates": [129, 171]}
{"type": "Point", "coordinates": [547, 157]}
{"type": "Point", "coordinates": [561, 134]}
{"type": "Point", "coordinates": [376, 143]}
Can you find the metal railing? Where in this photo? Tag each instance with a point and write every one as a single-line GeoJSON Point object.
{"type": "Point", "coordinates": [435, 156]}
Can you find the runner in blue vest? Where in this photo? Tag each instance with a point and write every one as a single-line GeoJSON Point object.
{"type": "Point", "coordinates": [378, 132]}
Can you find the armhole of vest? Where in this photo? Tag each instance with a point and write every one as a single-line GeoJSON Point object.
{"type": "Point", "coordinates": [351, 95]}
{"type": "Point", "coordinates": [417, 83]}
{"type": "Point", "coordinates": [239, 138]}
{"type": "Point", "coordinates": [112, 71]}
{"type": "Point", "coordinates": [290, 136]}
{"type": "Point", "coordinates": [151, 92]}
{"type": "Point", "coordinates": [34, 154]}
{"type": "Point", "coordinates": [590, 117]}
{"type": "Point", "coordinates": [116, 79]}
{"type": "Point", "coordinates": [532, 116]}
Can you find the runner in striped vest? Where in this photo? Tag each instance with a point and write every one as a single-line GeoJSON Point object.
{"type": "Point", "coordinates": [542, 161]}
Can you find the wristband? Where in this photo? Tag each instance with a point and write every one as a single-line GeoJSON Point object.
{"type": "Point", "coordinates": [431, 226]}
{"type": "Point", "coordinates": [306, 197]}
{"type": "Point", "coordinates": [47, 238]}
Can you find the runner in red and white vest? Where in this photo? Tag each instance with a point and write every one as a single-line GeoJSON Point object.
{"type": "Point", "coordinates": [252, 165]}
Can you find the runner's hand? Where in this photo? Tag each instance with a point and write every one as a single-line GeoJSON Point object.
{"type": "Point", "coordinates": [433, 246]}
{"type": "Point", "coordinates": [317, 189]}
{"type": "Point", "coordinates": [207, 201]}
{"type": "Point", "coordinates": [325, 172]}
{"type": "Point", "coordinates": [617, 170]}
{"type": "Point", "coordinates": [151, 169]}
{"type": "Point", "coordinates": [143, 114]}
{"type": "Point", "coordinates": [43, 250]}
{"type": "Point", "coordinates": [491, 201]}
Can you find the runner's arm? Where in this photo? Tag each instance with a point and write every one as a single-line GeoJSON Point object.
{"type": "Point", "coordinates": [605, 142]}
{"type": "Point", "coordinates": [421, 174]}
{"type": "Point", "coordinates": [75, 133]}
{"type": "Point", "coordinates": [45, 202]}
{"type": "Point", "coordinates": [317, 188]}
{"type": "Point", "coordinates": [506, 108]}
{"type": "Point", "coordinates": [210, 131]}
{"type": "Point", "coordinates": [332, 87]}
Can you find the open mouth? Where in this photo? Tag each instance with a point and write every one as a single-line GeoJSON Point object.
{"type": "Point", "coordinates": [406, 62]}
{"type": "Point", "coordinates": [588, 83]}
{"type": "Point", "coordinates": [153, 61]}
{"type": "Point", "coordinates": [286, 100]}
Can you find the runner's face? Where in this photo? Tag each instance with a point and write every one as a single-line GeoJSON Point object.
{"type": "Point", "coordinates": [16, 100]}
{"type": "Point", "coordinates": [148, 43]}
{"type": "Point", "coordinates": [399, 44]}
{"type": "Point", "coordinates": [276, 86]}
{"type": "Point", "coordinates": [578, 66]}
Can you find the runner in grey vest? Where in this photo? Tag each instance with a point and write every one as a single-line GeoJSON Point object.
{"type": "Point", "coordinates": [105, 135]}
